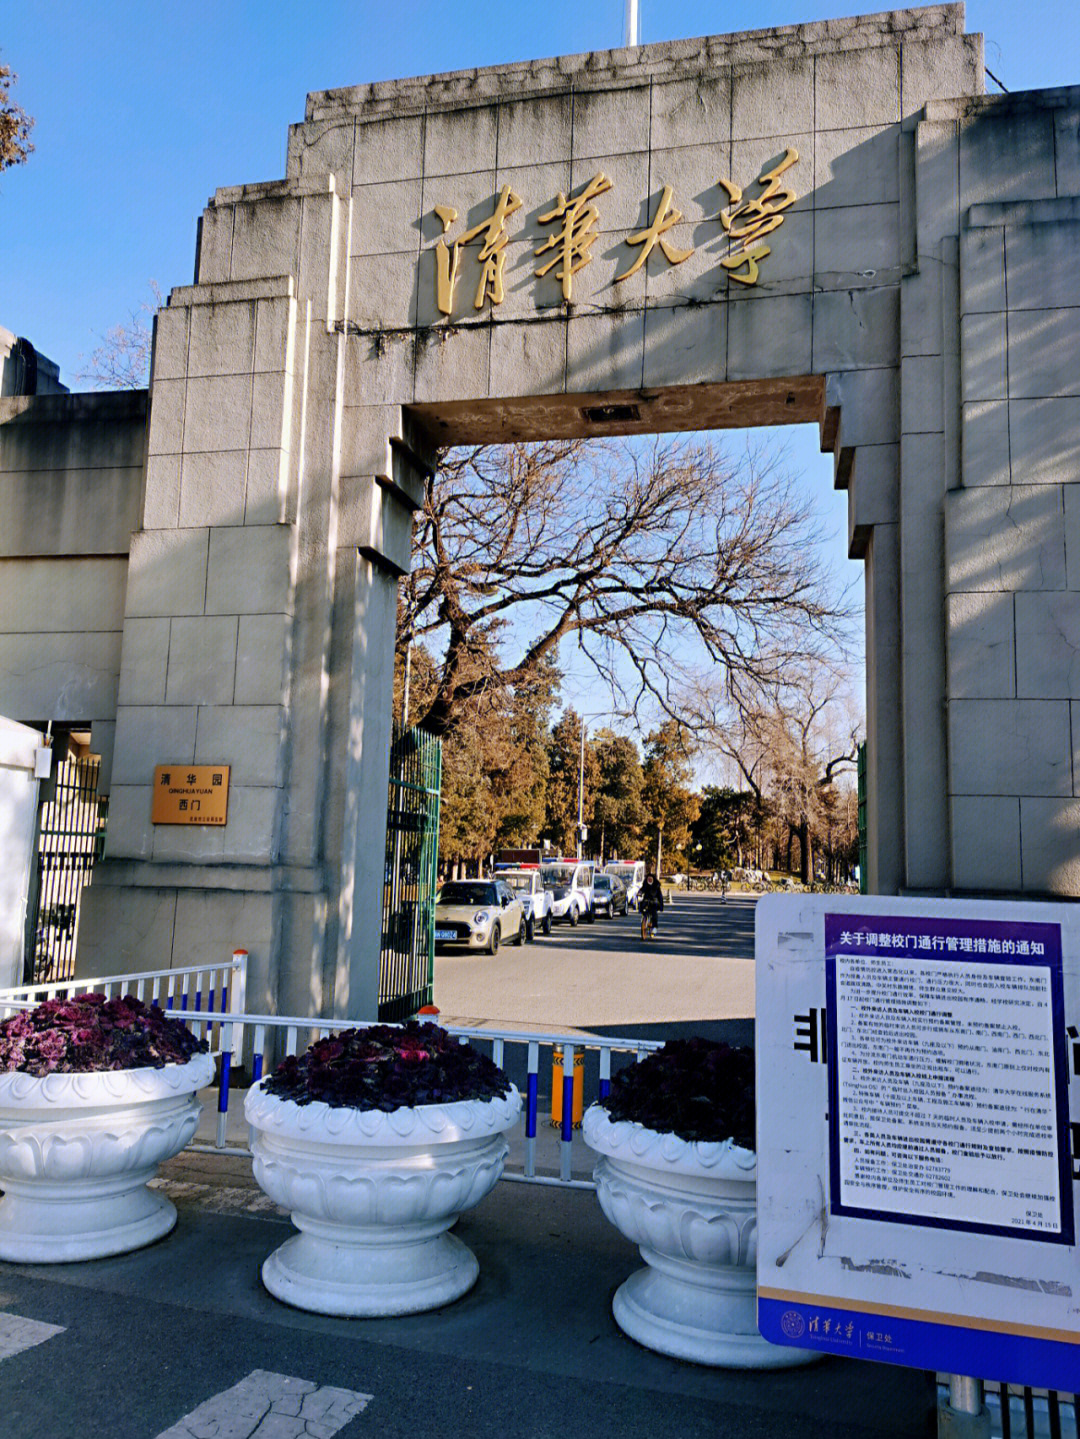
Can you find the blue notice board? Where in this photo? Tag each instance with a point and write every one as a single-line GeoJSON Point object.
{"type": "Point", "coordinates": [918, 1117]}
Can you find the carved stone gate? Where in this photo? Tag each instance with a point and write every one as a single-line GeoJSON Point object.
{"type": "Point", "coordinates": [827, 223]}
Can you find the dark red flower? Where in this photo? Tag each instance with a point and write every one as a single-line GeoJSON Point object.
{"type": "Point", "coordinates": [88, 1032]}
{"type": "Point", "coordinates": [386, 1068]}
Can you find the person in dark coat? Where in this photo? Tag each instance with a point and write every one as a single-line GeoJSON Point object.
{"type": "Point", "coordinates": [651, 898]}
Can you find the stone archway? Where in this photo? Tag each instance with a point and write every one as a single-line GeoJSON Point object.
{"type": "Point", "coordinates": [914, 297]}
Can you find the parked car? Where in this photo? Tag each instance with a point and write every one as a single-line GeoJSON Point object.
{"type": "Point", "coordinates": [570, 884]}
{"type": "Point", "coordinates": [609, 895]}
{"type": "Point", "coordinates": [632, 873]}
{"type": "Point", "coordinates": [478, 914]}
{"type": "Point", "coordinates": [535, 899]}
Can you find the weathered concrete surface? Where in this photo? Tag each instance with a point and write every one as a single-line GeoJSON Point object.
{"type": "Point", "coordinates": [23, 371]}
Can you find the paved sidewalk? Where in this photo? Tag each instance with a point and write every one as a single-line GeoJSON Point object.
{"type": "Point", "coordinates": [146, 1338]}
{"type": "Point", "coordinates": [127, 1347]}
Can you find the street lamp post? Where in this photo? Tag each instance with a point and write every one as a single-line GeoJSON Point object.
{"type": "Point", "coordinates": [581, 790]}
{"type": "Point", "coordinates": [597, 714]}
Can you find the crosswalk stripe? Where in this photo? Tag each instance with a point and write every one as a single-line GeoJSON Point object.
{"type": "Point", "coordinates": [17, 1334]}
{"type": "Point", "coordinates": [271, 1406]}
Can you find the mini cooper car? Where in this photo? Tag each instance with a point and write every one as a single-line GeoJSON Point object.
{"type": "Point", "coordinates": [478, 914]}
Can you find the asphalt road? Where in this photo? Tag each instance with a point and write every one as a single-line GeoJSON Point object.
{"type": "Point", "coordinates": [602, 977]}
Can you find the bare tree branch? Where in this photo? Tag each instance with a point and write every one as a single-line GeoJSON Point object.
{"type": "Point", "coordinates": [122, 360]}
{"type": "Point", "coordinates": [792, 746]}
{"type": "Point", "coordinates": [657, 558]}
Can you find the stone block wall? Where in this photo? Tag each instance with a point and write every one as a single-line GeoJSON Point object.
{"type": "Point", "coordinates": [71, 484]}
{"type": "Point", "coordinates": [1012, 534]}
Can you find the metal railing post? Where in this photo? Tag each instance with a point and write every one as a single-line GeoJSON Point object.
{"type": "Point", "coordinates": [965, 1415]}
{"type": "Point", "coordinates": [531, 1102]}
{"type": "Point", "coordinates": [566, 1152]}
{"type": "Point", "coordinates": [223, 1084]}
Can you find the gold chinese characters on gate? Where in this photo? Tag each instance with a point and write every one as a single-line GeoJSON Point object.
{"type": "Point", "coordinates": [575, 219]}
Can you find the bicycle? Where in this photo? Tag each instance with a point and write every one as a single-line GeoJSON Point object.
{"type": "Point", "coordinates": [648, 922]}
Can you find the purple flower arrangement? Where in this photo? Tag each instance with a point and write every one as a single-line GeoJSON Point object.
{"type": "Point", "coordinates": [696, 1088]}
{"type": "Point", "coordinates": [90, 1032]}
{"type": "Point", "coordinates": [386, 1068]}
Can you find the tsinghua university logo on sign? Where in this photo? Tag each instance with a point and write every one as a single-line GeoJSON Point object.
{"type": "Point", "coordinates": [746, 220]}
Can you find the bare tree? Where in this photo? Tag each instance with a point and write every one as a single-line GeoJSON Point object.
{"type": "Point", "coordinates": [792, 750]}
{"type": "Point", "coordinates": [656, 559]}
{"type": "Point", "coordinates": [15, 124]}
{"type": "Point", "coordinates": [122, 360]}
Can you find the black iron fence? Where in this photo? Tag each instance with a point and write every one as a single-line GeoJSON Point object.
{"type": "Point", "coordinates": [407, 963]}
{"type": "Point", "coordinates": [71, 838]}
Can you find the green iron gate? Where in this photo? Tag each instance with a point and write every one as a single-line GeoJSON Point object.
{"type": "Point", "coordinates": [407, 962]}
{"type": "Point", "coordinates": [71, 839]}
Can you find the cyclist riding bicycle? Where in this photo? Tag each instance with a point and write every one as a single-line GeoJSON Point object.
{"type": "Point", "coordinates": [650, 902]}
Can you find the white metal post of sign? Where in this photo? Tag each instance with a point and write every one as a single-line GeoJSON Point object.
{"type": "Point", "coordinates": [918, 1114]}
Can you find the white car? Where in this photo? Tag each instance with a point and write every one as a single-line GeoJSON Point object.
{"type": "Point", "coordinates": [478, 914]}
{"type": "Point", "coordinates": [569, 883]}
{"type": "Point", "coordinates": [535, 899]}
{"type": "Point", "coordinates": [632, 874]}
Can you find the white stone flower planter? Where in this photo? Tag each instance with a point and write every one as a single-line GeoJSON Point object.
{"type": "Point", "coordinates": [373, 1195]}
{"type": "Point", "coordinates": [692, 1211]}
{"type": "Point", "coordinates": [76, 1151]}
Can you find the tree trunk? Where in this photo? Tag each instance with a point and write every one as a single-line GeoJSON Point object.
{"type": "Point", "coordinates": [806, 865]}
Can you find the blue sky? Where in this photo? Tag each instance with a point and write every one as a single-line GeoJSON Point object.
{"type": "Point", "coordinates": [142, 112]}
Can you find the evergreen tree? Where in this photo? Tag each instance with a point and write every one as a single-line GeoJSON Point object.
{"type": "Point", "coordinates": [618, 816]}
{"type": "Point", "coordinates": [671, 806]}
{"type": "Point", "coordinates": [564, 771]}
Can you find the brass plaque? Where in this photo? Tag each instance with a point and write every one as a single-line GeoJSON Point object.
{"type": "Point", "coordinates": [190, 794]}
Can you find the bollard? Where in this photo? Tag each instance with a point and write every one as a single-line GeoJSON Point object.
{"type": "Point", "coordinates": [578, 1108]}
